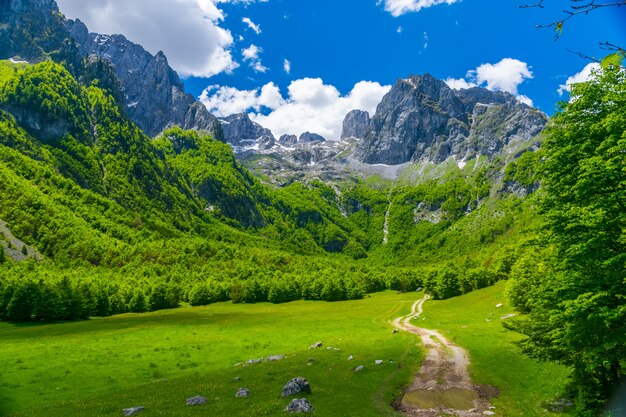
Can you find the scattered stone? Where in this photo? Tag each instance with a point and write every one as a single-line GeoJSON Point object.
{"type": "Point", "coordinates": [197, 400]}
{"type": "Point", "coordinates": [507, 316]}
{"type": "Point", "coordinates": [243, 392]}
{"type": "Point", "coordinates": [254, 361]}
{"type": "Point", "coordinates": [419, 289]}
{"type": "Point", "coordinates": [311, 360]}
{"type": "Point", "coordinates": [238, 364]}
{"type": "Point", "coordinates": [558, 406]}
{"type": "Point", "coordinates": [378, 362]}
{"type": "Point", "coordinates": [274, 358]}
{"type": "Point", "coordinates": [299, 405]}
{"type": "Point", "coordinates": [395, 331]}
{"type": "Point", "coordinates": [488, 413]}
{"type": "Point", "coordinates": [133, 410]}
{"type": "Point", "coordinates": [237, 378]}
{"type": "Point", "coordinates": [316, 345]}
{"type": "Point", "coordinates": [499, 305]}
{"type": "Point", "coordinates": [350, 357]}
{"type": "Point", "coordinates": [359, 368]}
{"type": "Point", "coordinates": [296, 386]}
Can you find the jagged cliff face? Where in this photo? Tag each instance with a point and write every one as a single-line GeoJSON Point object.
{"type": "Point", "coordinates": [422, 119]}
{"type": "Point", "coordinates": [154, 95]}
{"type": "Point", "coordinates": [239, 131]}
{"type": "Point", "coordinates": [32, 30]}
{"type": "Point", "coordinates": [355, 124]}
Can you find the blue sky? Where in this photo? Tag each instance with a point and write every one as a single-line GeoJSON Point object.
{"type": "Point", "coordinates": [335, 44]}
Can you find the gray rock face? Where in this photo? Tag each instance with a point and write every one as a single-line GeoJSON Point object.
{"type": "Point", "coordinates": [300, 405]}
{"type": "Point", "coordinates": [133, 410]}
{"type": "Point", "coordinates": [288, 140]}
{"type": "Point", "coordinates": [197, 400]}
{"type": "Point", "coordinates": [355, 124]}
{"type": "Point", "coordinates": [154, 95]}
{"type": "Point", "coordinates": [296, 386]}
{"type": "Point", "coordinates": [422, 119]}
{"type": "Point", "coordinates": [239, 130]}
{"type": "Point", "coordinates": [308, 137]}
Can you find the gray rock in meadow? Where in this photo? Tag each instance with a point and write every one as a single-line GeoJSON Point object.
{"type": "Point", "coordinates": [274, 358]}
{"type": "Point", "coordinates": [299, 405]}
{"type": "Point", "coordinates": [243, 392]}
{"type": "Point", "coordinates": [395, 331]}
{"type": "Point", "coordinates": [316, 345]}
{"type": "Point", "coordinates": [350, 357]}
{"type": "Point", "coordinates": [197, 400]}
{"type": "Point", "coordinates": [378, 362]}
{"type": "Point", "coordinates": [359, 368]}
{"type": "Point", "coordinates": [296, 386]}
{"type": "Point", "coordinates": [237, 378]}
{"type": "Point", "coordinates": [133, 410]}
{"type": "Point", "coordinates": [254, 361]}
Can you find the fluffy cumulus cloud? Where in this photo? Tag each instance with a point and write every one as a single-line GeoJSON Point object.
{"type": "Point", "coordinates": [187, 31]}
{"type": "Point", "coordinates": [287, 66]}
{"type": "Point", "coordinates": [310, 105]}
{"type": "Point", "coordinates": [256, 28]}
{"type": "Point", "coordinates": [400, 7]}
{"type": "Point", "coordinates": [506, 75]}
{"type": "Point", "coordinates": [251, 55]}
{"type": "Point", "coordinates": [579, 77]}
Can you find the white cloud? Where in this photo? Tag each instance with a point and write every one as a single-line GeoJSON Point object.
{"type": "Point", "coordinates": [505, 75]}
{"type": "Point", "coordinates": [525, 99]}
{"type": "Point", "coordinates": [399, 30]}
{"type": "Point", "coordinates": [310, 105]}
{"type": "Point", "coordinates": [256, 28]}
{"type": "Point", "coordinates": [579, 77]}
{"type": "Point", "coordinates": [251, 55]}
{"type": "Point", "coordinates": [425, 40]}
{"type": "Point", "coordinates": [187, 31]}
{"type": "Point", "coordinates": [287, 66]}
{"type": "Point", "coordinates": [459, 83]}
{"type": "Point", "coordinates": [400, 7]}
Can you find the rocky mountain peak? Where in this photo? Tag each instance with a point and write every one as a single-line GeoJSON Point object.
{"type": "Point", "coordinates": [355, 124]}
{"type": "Point", "coordinates": [308, 137]}
{"type": "Point", "coordinates": [27, 6]}
{"type": "Point", "coordinates": [239, 131]}
{"type": "Point", "coordinates": [422, 119]}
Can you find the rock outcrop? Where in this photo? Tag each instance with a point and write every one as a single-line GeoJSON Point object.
{"type": "Point", "coordinates": [296, 386]}
{"type": "Point", "coordinates": [239, 130]}
{"type": "Point", "coordinates": [299, 405]}
{"type": "Point", "coordinates": [153, 94]}
{"type": "Point", "coordinates": [422, 119]}
{"type": "Point", "coordinates": [288, 140]}
{"type": "Point", "coordinates": [355, 124]}
{"type": "Point", "coordinates": [308, 137]}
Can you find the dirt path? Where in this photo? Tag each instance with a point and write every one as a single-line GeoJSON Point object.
{"type": "Point", "coordinates": [443, 385]}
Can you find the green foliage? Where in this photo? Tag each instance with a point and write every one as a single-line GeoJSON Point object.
{"type": "Point", "coordinates": [577, 314]}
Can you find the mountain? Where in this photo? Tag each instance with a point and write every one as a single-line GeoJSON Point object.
{"type": "Point", "coordinates": [240, 131]}
{"type": "Point", "coordinates": [422, 119]}
{"type": "Point", "coordinates": [151, 92]}
{"type": "Point", "coordinates": [355, 124]}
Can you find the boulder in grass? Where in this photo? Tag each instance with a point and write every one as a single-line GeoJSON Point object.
{"type": "Point", "coordinates": [197, 400]}
{"type": "Point", "coordinates": [316, 345]}
{"type": "Point", "coordinates": [296, 386]}
{"type": "Point", "coordinates": [133, 410]}
{"type": "Point", "coordinates": [243, 392]}
{"type": "Point", "coordinates": [299, 405]}
{"type": "Point", "coordinates": [378, 362]}
{"type": "Point", "coordinates": [359, 368]}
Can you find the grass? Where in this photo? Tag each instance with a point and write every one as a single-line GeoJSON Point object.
{"type": "Point", "coordinates": [158, 360]}
{"type": "Point", "coordinates": [473, 322]}
{"type": "Point", "coordinates": [7, 70]}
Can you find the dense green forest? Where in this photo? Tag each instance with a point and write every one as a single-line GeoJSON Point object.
{"type": "Point", "coordinates": [125, 223]}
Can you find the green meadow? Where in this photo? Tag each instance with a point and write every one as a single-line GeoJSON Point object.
{"type": "Point", "coordinates": [158, 360]}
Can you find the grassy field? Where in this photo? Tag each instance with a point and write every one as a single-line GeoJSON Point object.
{"type": "Point", "coordinates": [473, 322]}
{"type": "Point", "coordinates": [158, 360]}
